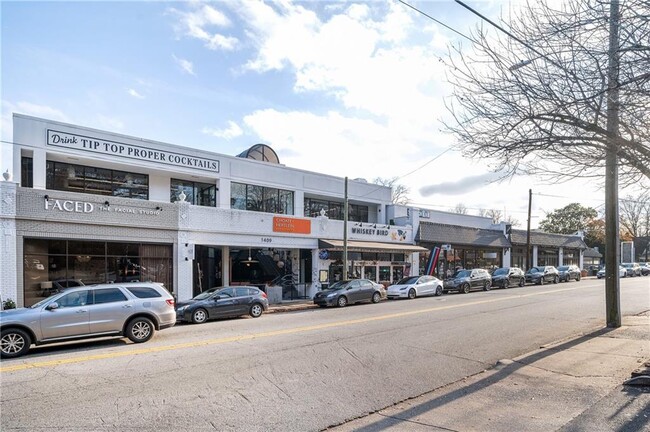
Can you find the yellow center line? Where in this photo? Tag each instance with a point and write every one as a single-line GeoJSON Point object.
{"type": "Point", "coordinates": [261, 335]}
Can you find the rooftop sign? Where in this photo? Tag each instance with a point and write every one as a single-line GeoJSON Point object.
{"type": "Point", "coordinates": [130, 151]}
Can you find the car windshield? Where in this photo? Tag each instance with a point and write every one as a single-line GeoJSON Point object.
{"type": "Point", "coordinates": [42, 302]}
{"type": "Point", "coordinates": [408, 280]}
{"type": "Point", "coordinates": [563, 268]}
{"type": "Point", "coordinates": [501, 271]}
{"type": "Point", "coordinates": [338, 285]}
{"type": "Point", "coordinates": [627, 265]}
{"type": "Point", "coordinates": [206, 294]}
{"type": "Point", "coordinates": [461, 274]}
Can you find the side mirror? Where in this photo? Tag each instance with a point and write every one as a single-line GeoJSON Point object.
{"type": "Point", "coordinates": [52, 306]}
{"type": "Point", "coordinates": [217, 297]}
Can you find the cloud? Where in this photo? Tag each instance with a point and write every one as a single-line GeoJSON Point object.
{"type": "Point", "coordinates": [232, 131]}
{"type": "Point", "coordinates": [464, 185]}
{"type": "Point", "coordinates": [109, 123]}
{"type": "Point", "coordinates": [135, 93]}
{"type": "Point", "coordinates": [199, 22]}
{"type": "Point", "coordinates": [186, 65]}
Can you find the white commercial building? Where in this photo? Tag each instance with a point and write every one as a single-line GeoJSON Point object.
{"type": "Point", "coordinates": [94, 206]}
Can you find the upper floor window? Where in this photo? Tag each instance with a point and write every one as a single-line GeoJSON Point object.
{"type": "Point", "coordinates": [99, 181]}
{"type": "Point", "coordinates": [201, 194]}
{"type": "Point", "coordinates": [334, 210]}
{"type": "Point", "coordinates": [27, 172]}
{"type": "Point", "coordinates": [261, 198]}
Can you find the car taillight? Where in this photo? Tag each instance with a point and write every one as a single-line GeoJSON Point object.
{"type": "Point", "coordinates": [170, 302]}
{"type": "Point", "coordinates": [264, 294]}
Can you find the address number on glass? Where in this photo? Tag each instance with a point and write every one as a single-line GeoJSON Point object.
{"type": "Point", "coordinates": [267, 240]}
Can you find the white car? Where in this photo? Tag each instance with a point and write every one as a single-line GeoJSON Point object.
{"type": "Point", "coordinates": [415, 286]}
{"type": "Point", "coordinates": [622, 272]}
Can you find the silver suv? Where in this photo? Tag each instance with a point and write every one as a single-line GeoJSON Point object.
{"type": "Point", "coordinates": [134, 310]}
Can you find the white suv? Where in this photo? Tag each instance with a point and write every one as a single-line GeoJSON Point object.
{"type": "Point", "coordinates": [134, 310]}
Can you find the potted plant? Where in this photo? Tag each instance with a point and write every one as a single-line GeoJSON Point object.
{"type": "Point", "coordinates": [8, 304]}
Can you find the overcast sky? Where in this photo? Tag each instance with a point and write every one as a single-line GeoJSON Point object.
{"type": "Point", "coordinates": [345, 88]}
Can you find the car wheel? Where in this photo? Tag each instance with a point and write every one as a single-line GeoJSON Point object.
{"type": "Point", "coordinates": [256, 310]}
{"type": "Point", "coordinates": [14, 343]}
{"type": "Point", "coordinates": [506, 283]}
{"type": "Point", "coordinates": [199, 316]}
{"type": "Point", "coordinates": [439, 291]}
{"type": "Point", "coordinates": [556, 279]}
{"type": "Point", "coordinates": [522, 282]}
{"type": "Point", "coordinates": [486, 285]}
{"type": "Point", "coordinates": [412, 293]}
{"type": "Point", "coordinates": [376, 297]}
{"type": "Point", "coordinates": [140, 329]}
{"type": "Point", "coordinates": [541, 281]}
{"type": "Point", "coordinates": [578, 278]}
{"type": "Point", "coordinates": [465, 288]}
{"type": "Point", "coordinates": [342, 301]}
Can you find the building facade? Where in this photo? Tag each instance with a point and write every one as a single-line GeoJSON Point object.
{"type": "Point", "coordinates": [94, 206]}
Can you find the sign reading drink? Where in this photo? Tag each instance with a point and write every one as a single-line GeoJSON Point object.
{"type": "Point", "coordinates": [131, 151]}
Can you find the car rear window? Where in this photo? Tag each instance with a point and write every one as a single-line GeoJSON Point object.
{"type": "Point", "coordinates": [144, 292]}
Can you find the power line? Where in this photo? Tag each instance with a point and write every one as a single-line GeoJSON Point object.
{"type": "Point", "coordinates": [437, 21]}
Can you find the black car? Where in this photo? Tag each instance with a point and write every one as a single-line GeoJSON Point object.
{"type": "Point", "coordinates": [508, 276]}
{"type": "Point", "coordinates": [542, 274]}
{"type": "Point", "coordinates": [344, 292]}
{"type": "Point", "coordinates": [569, 272]}
{"type": "Point", "coordinates": [223, 302]}
{"type": "Point", "coordinates": [466, 280]}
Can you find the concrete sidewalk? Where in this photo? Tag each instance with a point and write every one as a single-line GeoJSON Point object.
{"type": "Point", "coordinates": [571, 385]}
{"type": "Point", "coordinates": [291, 306]}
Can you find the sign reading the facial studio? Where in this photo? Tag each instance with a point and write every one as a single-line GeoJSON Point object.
{"type": "Point", "coordinates": [131, 151]}
{"type": "Point", "coordinates": [70, 206]}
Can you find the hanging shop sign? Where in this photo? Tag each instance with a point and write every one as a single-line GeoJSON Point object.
{"type": "Point", "coordinates": [129, 151]}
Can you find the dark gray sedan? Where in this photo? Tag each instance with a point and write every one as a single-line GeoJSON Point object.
{"type": "Point", "coordinates": [350, 291]}
{"type": "Point", "coordinates": [223, 302]}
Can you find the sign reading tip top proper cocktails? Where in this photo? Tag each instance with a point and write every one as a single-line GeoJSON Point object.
{"type": "Point", "coordinates": [130, 151]}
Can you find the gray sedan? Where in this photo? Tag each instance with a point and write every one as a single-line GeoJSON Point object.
{"type": "Point", "coordinates": [345, 292]}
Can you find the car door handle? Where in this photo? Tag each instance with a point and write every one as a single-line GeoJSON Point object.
{"type": "Point", "coordinates": [126, 306]}
{"type": "Point", "coordinates": [82, 311]}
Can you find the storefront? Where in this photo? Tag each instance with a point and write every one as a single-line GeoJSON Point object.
{"type": "Point", "coordinates": [462, 247]}
{"type": "Point", "coordinates": [547, 249]}
{"type": "Point", "coordinates": [384, 263]}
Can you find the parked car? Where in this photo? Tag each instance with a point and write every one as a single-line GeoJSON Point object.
{"type": "Point", "coordinates": [542, 274]}
{"type": "Point", "coordinates": [622, 272]}
{"type": "Point", "coordinates": [223, 302]}
{"type": "Point", "coordinates": [569, 272]}
{"type": "Point", "coordinates": [133, 310]}
{"type": "Point", "coordinates": [415, 286]}
{"type": "Point", "coordinates": [633, 269]}
{"type": "Point", "coordinates": [645, 268]}
{"type": "Point", "coordinates": [508, 276]}
{"type": "Point", "coordinates": [466, 280]}
{"type": "Point", "coordinates": [344, 292]}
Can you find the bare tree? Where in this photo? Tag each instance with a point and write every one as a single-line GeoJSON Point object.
{"type": "Point", "coordinates": [460, 209]}
{"type": "Point", "coordinates": [496, 215]}
{"type": "Point", "coordinates": [634, 215]}
{"type": "Point", "coordinates": [399, 192]}
{"type": "Point", "coordinates": [543, 110]}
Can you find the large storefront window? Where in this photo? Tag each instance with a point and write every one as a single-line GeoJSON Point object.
{"type": "Point", "coordinates": [201, 194]}
{"type": "Point", "coordinates": [547, 257]}
{"type": "Point", "coordinates": [334, 210]}
{"type": "Point", "coordinates": [261, 199]}
{"type": "Point", "coordinates": [571, 257]}
{"type": "Point", "coordinates": [98, 181]}
{"type": "Point", "coordinates": [50, 265]}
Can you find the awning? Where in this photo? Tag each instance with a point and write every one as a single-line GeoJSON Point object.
{"type": "Point", "coordinates": [362, 246]}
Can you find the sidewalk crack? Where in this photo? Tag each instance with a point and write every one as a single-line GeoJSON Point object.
{"type": "Point", "coordinates": [417, 422]}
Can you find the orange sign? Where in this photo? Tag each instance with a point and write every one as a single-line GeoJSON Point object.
{"type": "Point", "coordinates": [291, 225]}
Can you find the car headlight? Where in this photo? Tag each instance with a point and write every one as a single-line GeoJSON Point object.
{"type": "Point", "coordinates": [181, 309]}
{"type": "Point", "coordinates": [331, 295]}
{"type": "Point", "coordinates": [403, 289]}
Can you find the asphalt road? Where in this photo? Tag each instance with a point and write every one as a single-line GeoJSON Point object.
{"type": "Point", "coordinates": [295, 371]}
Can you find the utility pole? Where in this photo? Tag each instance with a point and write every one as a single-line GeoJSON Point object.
{"type": "Point", "coordinates": [612, 236]}
{"type": "Point", "coordinates": [345, 232]}
{"type": "Point", "coordinates": [530, 203]}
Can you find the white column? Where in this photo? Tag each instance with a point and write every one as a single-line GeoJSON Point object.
{"type": "Point", "coordinates": [299, 203]}
{"type": "Point", "coordinates": [534, 256]}
{"type": "Point", "coordinates": [581, 261]}
{"type": "Point", "coordinates": [507, 257]}
{"type": "Point", "coordinates": [223, 195]}
{"type": "Point", "coordinates": [8, 244]}
{"type": "Point", "coordinates": [40, 173]}
{"type": "Point", "coordinates": [225, 265]}
{"type": "Point", "coordinates": [560, 257]}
